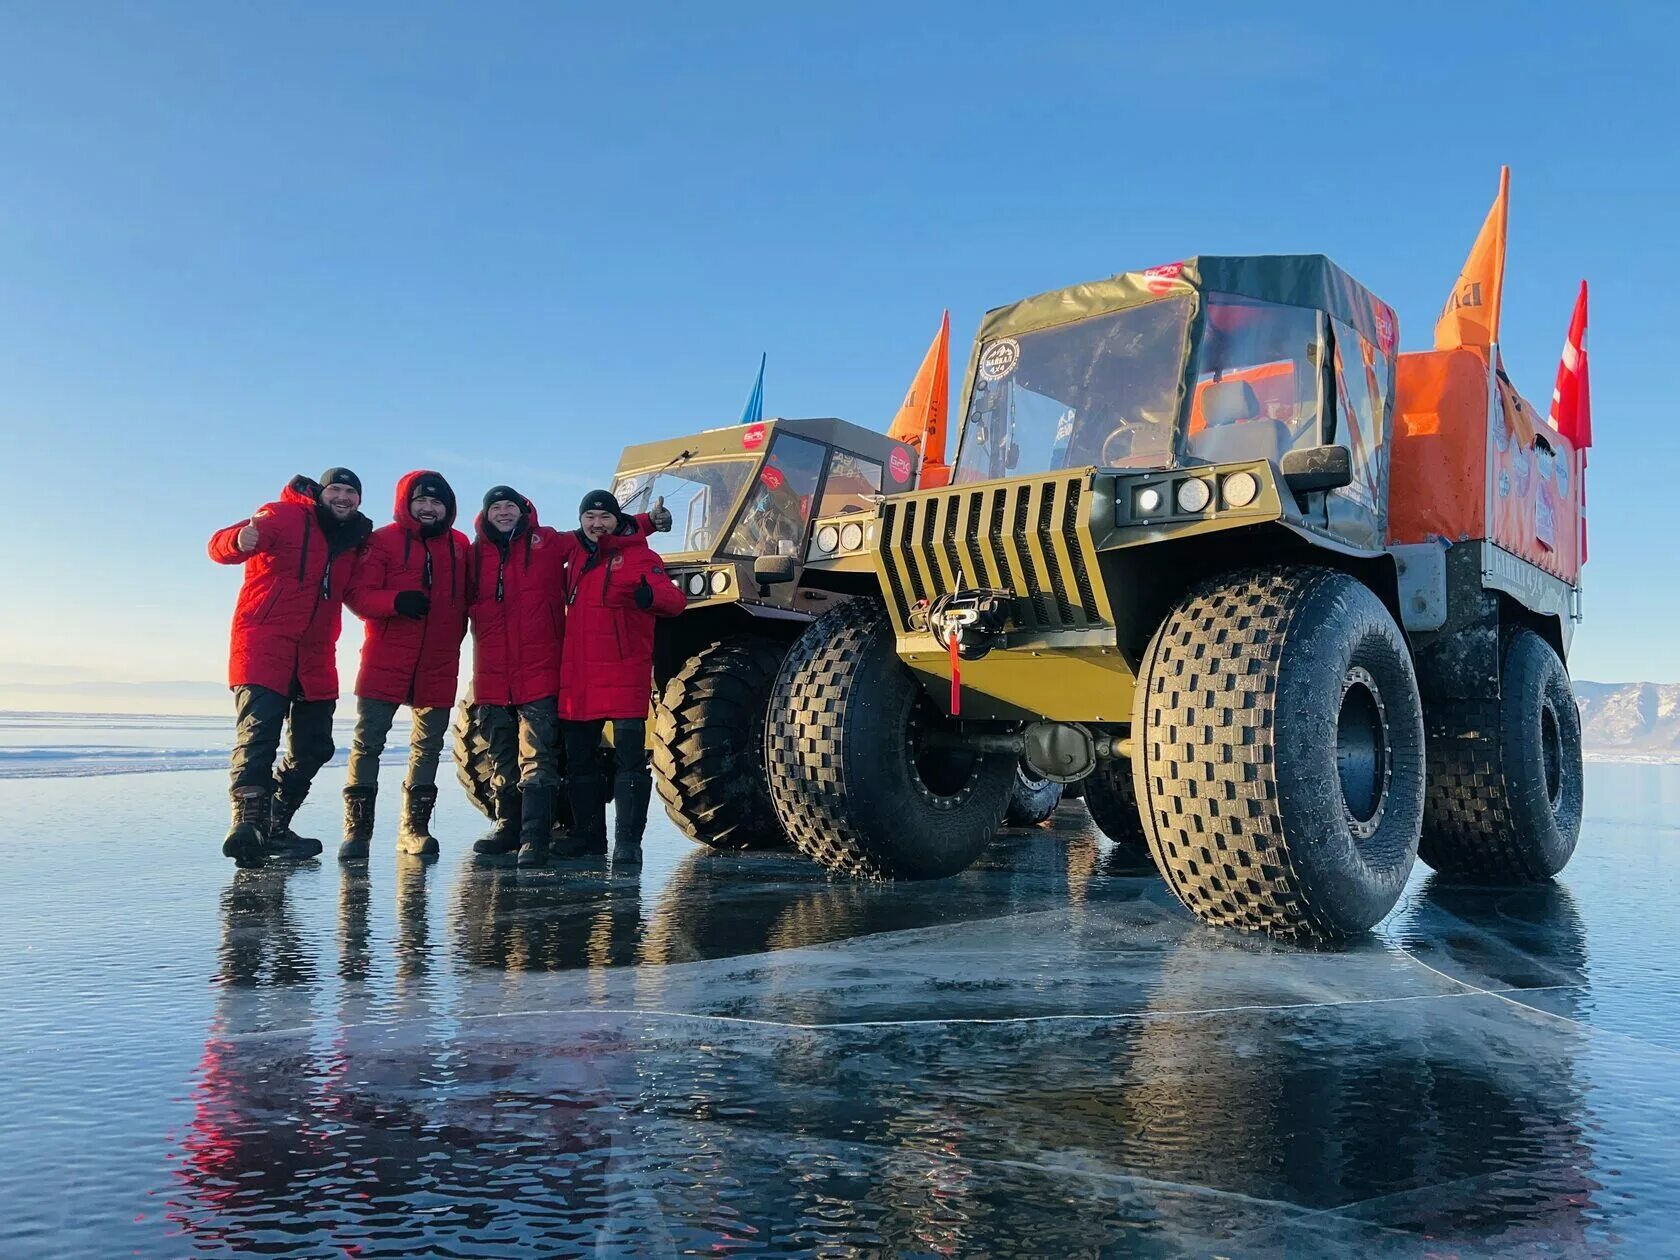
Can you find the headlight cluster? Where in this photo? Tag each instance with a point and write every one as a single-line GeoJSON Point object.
{"type": "Point", "coordinates": [1191, 495]}
{"type": "Point", "coordinates": [840, 539]}
{"type": "Point", "coordinates": [700, 583]}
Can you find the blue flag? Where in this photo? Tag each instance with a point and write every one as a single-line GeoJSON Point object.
{"type": "Point", "coordinates": [755, 401]}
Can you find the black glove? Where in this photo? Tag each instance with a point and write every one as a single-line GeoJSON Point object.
{"type": "Point", "coordinates": [643, 595]}
{"type": "Point", "coordinates": [659, 516]}
{"type": "Point", "coordinates": [413, 604]}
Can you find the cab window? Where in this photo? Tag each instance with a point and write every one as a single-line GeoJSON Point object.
{"type": "Point", "coordinates": [779, 502]}
{"type": "Point", "coordinates": [853, 482]}
{"type": "Point", "coordinates": [1255, 392]}
{"type": "Point", "coordinates": [1363, 374]}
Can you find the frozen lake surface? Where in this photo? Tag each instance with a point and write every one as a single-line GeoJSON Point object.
{"type": "Point", "coordinates": [734, 1055]}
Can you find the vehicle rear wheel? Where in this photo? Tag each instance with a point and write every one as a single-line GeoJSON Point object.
{"type": "Point", "coordinates": [1032, 800]}
{"type": "Point", "coordinates": [708, 744]}
{"type": "Point", "coordinates": [1505, 779]}
{"type": "Point", "coordinates": [1281, 759]}
{"type": "Point", "coordinates": [1112, 802]}
{"type": "Point", "coordinates": [857, 780]}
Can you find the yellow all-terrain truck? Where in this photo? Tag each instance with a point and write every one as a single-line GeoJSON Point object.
{"type": "Point", "coordinates": [1288, 603]}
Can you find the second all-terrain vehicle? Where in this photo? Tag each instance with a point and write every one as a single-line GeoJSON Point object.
{"type": "Point", "coordinates": [1288, 603]}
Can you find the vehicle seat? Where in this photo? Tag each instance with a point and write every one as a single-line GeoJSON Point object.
{"type": "Point", "coordinates": [1236, 430]}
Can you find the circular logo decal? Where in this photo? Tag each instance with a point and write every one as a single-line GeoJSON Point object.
{"type": "Point", "coordinates": [772, 477]}
{"type": "Point", "coordinates": [1159, 280]}
{"type": "Point", "coordinates": [753, 438]}
{"type": "Point", "coordinates": [999, 359]}
{"type": "Point", "coordinates": [899, 464]}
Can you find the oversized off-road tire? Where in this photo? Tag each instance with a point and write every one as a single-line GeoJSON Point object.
{"type": "Point", "coordinates": [708, 744]}
{"type": "Point", "coordinates": [1505, 781]}
{"type": "Point", "coordinates": [852, 780]}
{"type": "Point", "coordinates": [1280, 760]}
{"type": "Point", "coordinates": [1112, 803]}
{"type": "Point", "coordinates": [1032, 800]}
{"type": "Point", "coordinates": [473, 764]}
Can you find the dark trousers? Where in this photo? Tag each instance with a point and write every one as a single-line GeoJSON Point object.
{"type": "Point", "coordinates": [262, 713]}
{"type": "Point", "coordinates": [629, 743]}
{"type": "Point", "coordinates": [373, 727]}
{"type": "Point", "coordinates": [524, 743]}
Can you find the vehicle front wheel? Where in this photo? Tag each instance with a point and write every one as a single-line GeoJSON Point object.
{"type": "Point", "coordinates": [1280, 752]}
{"type": "Point", "coordinates": [857, 775]}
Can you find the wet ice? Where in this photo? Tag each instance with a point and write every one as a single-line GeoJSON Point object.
{"type": "Point", "coordinates": [735, 1054]}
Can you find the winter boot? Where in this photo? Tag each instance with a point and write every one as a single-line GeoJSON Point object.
{"type": "Point", "coordinates": [358, 822]}
{"type": "Point", "coordinates": [281, 841]}
{"type": "Point", "coordinates": [588, 797]}
{"type": "Point", "coordinates": [504, 839]}
{"type": "Point", "coordinates": [537, 807]}
{"type": "Point", "coordinates": [415, 837]}
{"type": "Point", "coordinates": [244, 843]}
{"type": "Point", "coordinates": [631, 792]}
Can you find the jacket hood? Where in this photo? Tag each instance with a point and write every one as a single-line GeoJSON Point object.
{"type": "Point", "coordinates": [529, 522]}
{"type": "Point", "coordinates": [405, 491]}
{"type": "Point", "coordinates": [301, 490]}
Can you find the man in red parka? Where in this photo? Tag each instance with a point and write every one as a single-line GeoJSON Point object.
{"type": "Point", "coordinates": [615, 586]}
{"type": "Point", "coordinates": [299, 554]}
{"type": "Point", "coordinates": [411, 591]}
{"type": "Point", "coordinates": [518, 626]}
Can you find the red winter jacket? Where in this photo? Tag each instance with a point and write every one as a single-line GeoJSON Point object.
{"type": "Point", "coordinates": [518, 614]}
{"type": "Point", "coordinates": [607, 670]}
{"type": "Point", "coordinates": [290, 610]}
{"type": "Point", "coordinates": [407, 660]}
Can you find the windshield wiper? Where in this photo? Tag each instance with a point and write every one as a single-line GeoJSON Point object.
{"type": "Point", "coordinates": [681, 457]}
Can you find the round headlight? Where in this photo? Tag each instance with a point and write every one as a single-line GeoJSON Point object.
{"type": "Point", "coordinates": [696, 583]}
{"type": "Point", "coordinates": [828, 540]}
{"type": "Point", "coordinates": [1240, 489]}
{"type": "Point", "coordinates": [1194, 495]}
{"type": "Point", "coordinates": [1145, 501]}
{"type": "Point", "coordinates": [851, 537]}
{"type": "Point", "coordinates": [720, 581]}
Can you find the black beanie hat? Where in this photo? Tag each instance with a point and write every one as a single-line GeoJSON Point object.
{"type": "Point", "coordinates": [433, 486]}
{"type": "Point", "coordinates": [600, 501]}
{"type": "Point", "coordinates": [495, 494]}
{"type": "Point", "coordinates": [341, 477]}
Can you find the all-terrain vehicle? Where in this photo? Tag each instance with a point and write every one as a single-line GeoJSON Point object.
{"type": "Point", "coordinates": [742, 499]}
{"type": "Point", "coordinates": [1289, 604]}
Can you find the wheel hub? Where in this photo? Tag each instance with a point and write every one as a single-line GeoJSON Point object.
{"type": "Point", "coordinates": [1364, 760]}
{"type": "Point", "coordinates": [1551, 755]}
{"type": "Point", "coordinates": [944, 775]}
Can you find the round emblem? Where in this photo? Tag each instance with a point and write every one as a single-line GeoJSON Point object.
{"type": "Point", "coordinates": [1159, 280]}
{"type": "Point", "coordinates": [772, 478]}
{"type": "Point", "coordinates": [999, 359]}
{"type": "Point", "coordinates": [899, 464]}
{"type": "Point", "coordinates": [753, 438]}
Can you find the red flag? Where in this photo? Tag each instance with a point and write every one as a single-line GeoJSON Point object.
{"type": "Point", "coordinates": [1572, 404]}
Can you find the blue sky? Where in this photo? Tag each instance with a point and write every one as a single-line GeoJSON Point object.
{"type": "Point", "coordinates": [238, 242]}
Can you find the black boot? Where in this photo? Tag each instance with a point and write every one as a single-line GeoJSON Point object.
{"type": "Point", "coordinates": [588, 797]}
{"type": "Point", "coordinates": [415, 836]}
{"type": "Point", "coordinates": [244, 843]}
{"type": "Point", "coordinates": [504, 839]}
{"type": "Point", "coordinates": [281, 841]}
{"type": "Point", "coordinates": [358, 822]}
{"type": "Point", "coordinates": [537, 806]}
{"type": "Point", "coordinates": [631, 792]}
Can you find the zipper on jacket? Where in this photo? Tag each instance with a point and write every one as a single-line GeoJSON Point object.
{"type": "Point", "coordinates": [425, 622]}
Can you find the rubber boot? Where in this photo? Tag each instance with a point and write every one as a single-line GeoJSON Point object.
{"type": "Point", "coordinates": [503, 840]}
{"type": "Point", "coordinates": [414, 837]}
{"type": "Point", "coordinates": [244, 843]}
{"type": "Point", "coordinates": [358, 822]}
{"type": "Point", "coordinates": [280, 840]}
{"type": "Point", "coordinates": [537, 807]}
{"type": "Point", "coordinates": [588, 797]}
{"type": "Point", "coordinates": [631, 793]}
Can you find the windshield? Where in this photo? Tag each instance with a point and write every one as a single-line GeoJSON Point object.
{"type": "Point", "coordinates": [701, 499]}
{"type": "Point", "coordinates": [779, 504]}
{"type": "Point", "coordinates": [1100, 391]}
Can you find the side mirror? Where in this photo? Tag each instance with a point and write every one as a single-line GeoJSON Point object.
{"type": "Point", "coordinates": [1317, 468]}
{"type": "Point", "coordinates": [774, 570]}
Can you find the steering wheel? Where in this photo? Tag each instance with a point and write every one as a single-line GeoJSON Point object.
{"type": "Point", "coordinates": [1119, 443]}
{"type": "Point", "coordinates": [699, 539]}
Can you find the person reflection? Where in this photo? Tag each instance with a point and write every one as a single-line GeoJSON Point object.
{"type": "Point", "coordinates": [508, 921]}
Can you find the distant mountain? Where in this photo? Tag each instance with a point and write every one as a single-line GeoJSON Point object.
{"type": "Point", "coordinates": [1630, 721]}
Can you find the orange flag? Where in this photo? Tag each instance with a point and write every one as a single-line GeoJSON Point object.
{"type": "Point", "coordinates": [921, 418]}
{"type": "Point", "coordinates": [1471, 315]}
